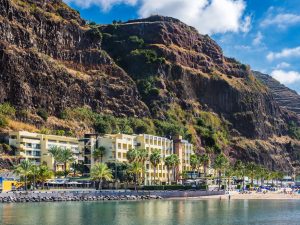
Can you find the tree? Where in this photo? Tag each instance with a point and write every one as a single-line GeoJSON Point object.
{"type": "Point", "coordinates": [132, 155]}
{"type": "Point", "coordinates": [100, 172]}
{"type": "Point", "coordinates": [228, 174]}
{"type": "Point", "coordinates": [251, 171]}
{"type": "Point", "coordinates": [174, 163]}
{"type": "Point", "coordinates": [259, 173]}
{"type": "Point", "coordinates": [98, 153]}
{"type": "Point", "coordinates": [142, 155]}
{"type": "Point", "coordinates": [240, 170]}
{"type": "Point", "coordinates": [155, 159]}
{"type": "Point", "coordinates": [24, 170]}
{"type": "Point", "coordinates": [66, 156]}
{"type": "Point", "coordinates": [205, 160]}
{"type": "Point", "coordinates": [43, 173]}
{"type": "Point", "coordinates": [220, 164]}
{"type": "Point", "coordinates": [33, 174]}
{"type": "Point", "coordinates": [279, 176]}
{"type": "Point", "coordinates": [55, 152]}
{"type": "Point", "coordinates": [136, 168]}
{"type": "Point", "coordinates": [168, 163]}
{"type": "Point", "coordinates": [194, 161]}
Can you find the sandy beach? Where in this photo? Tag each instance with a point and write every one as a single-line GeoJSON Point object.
{"type": "Point", "coordinates": [254, 195]}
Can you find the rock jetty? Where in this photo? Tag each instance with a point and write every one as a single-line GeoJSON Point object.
{"type": "Point", "coordinates": [24, 199]}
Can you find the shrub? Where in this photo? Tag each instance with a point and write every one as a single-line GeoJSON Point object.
{"type": "Point", "coordinates": [45, 130]}
{"type": "Point", "coordinates": [7, 110]}
{"type": "Point", "coordinates": [3, 121]}
{"type": "Point", "coordinates": [294, 130]}
{"type": "Point", "coordinates": [103, 127]}
{"type": "Point", "coordinates": [138, 42]}
{"type": "Point", "coordinates": [95, 34]}
{"type": "Point", "coordinates": [43, 114]}
{"type": "Point", "coordinates": [60, 132]}
{"type": "Point", "coordinates": [147, 55]}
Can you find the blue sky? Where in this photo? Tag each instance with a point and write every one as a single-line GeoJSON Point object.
{"type": "Point", "coordinates": [262, 33]}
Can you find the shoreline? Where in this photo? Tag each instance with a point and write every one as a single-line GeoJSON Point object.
{"type": "Point", "coordinates": [255, 196]}
{"type": "Point", "coordinates": [67, 196]}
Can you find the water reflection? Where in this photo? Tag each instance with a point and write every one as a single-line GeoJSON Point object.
{"type": "Point", "coordinates": [165, 212]}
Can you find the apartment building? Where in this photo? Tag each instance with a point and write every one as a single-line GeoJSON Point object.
{"type": "Point", "coordinates": [34, 146]}
{"type": "Point", "coordinates": [117, 146]}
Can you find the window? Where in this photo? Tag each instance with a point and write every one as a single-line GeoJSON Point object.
{"type": "Point", "coordinates": [124, 155]}
{"type": "Point", "coordinates": [119, 145]}
{"type": "Point", "coordinates": [119, 154]}
{"type": "Point", "coordinates": [28, 145]}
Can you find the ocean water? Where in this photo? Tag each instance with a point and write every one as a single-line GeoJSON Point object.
{"type": "Point", "coordinates": [160, 212]}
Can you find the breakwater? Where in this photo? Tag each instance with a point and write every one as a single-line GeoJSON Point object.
{"type": "Point", "coordinates": [72, 195]}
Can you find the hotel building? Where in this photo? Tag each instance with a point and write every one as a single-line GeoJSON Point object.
{"type": "Point", "coordinates": [117, 146]}
{"type": "Point", "coordinates": [34, 147]}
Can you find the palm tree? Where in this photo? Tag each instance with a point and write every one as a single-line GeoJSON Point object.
{"type": "Point", "coordinates": [100, 172]}
{"type": "Point", "coordinates": [155, 159]}
{"type": "Point", "coordinates": [175, 162]}
{"type": "Point", "coordinates": [24, 170]}
{"type": "Point", "coordinates": [251, 171]}
{"type": "Point", "coordinates": [168, 163]}
{"type": "Point", "coordinates": [43, 173]}
{"type": "Point", "coordinates": [240, 170]}
{"type": "Point", "coordinates": [220, 164]}
{"type": "Point", "coordinates": [55, 152]}
{"type": "Point", "coordinates": [279, 176]}
{"type": "Point", "coordinates": [34, 174]}
{"type": "Point", "coordinates": [194, 161]}
{"type": "Point", "coordinates": [205, 160]}
{"type": "Point", "coordinates": [142, 155]}
{"type": "Point", "coordinates": [268, 175]}
{"type": "Point", "coordinates": [263, 172]}
{"type": "Point", "coordinates": [65, 157]}
{"type": "Point", "coordinates": [98, 153]}
{"type": "Point", "coordinates": [132, 155]}
{"type": "Point", "coordinates": [136, 168]}
{"type": "Point", "coordinates": [228, 174]}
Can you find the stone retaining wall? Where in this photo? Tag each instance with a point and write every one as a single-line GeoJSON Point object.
{"type": "Point", "coordinates": [92, 195]}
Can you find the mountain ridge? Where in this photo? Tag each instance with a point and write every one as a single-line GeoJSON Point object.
{"type": "Point", "coordinates": [155, 69]}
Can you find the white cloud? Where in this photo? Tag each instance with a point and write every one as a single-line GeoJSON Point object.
{"type": "Point", "coordinates": [286, 77]}
{"type": "Point", "coordinates": [258, 39]}
{"type": "Point", "coordinates": [283, 65]}
{"type": "Point", "coordinates": [285, 53]}
{"type": "Point", "coordinates": [282, 20]}
{"type": "Point", "coordinates": [105, 5]}
{"type": "Point", "coordinates": [208, 16]}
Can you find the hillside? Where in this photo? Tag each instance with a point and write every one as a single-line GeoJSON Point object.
{"type": "Point", "coordinates": [285, 97]}
{"type": "Point", "coordinates": [154, 75]}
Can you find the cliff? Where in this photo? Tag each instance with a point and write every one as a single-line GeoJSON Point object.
{"type": "Point", "coordinates": [157, 69]}
{"type": "Point", "coordinates": [285, 97]}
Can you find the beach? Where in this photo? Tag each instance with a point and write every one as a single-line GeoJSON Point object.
{"type": "Point", "coordinates": [255, 196]}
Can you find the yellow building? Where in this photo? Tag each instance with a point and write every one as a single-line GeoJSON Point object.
{"type": "Point", "coordinates": [10, 185]}
{"type": "Point", "coordinates": [34, 146]}
{"type": "Point", "coordinates": [117, 146]}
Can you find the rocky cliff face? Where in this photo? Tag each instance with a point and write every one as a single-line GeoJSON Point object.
{"type": "Point", "coordinates": [285, 97]}
{"type": "Point", "coordinates": [51, 59]}
{"type": "Point", "coordinates": [195, 74]}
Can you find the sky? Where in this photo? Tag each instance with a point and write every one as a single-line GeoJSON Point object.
{"type": "Point", "coordinates": [264, 34]}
